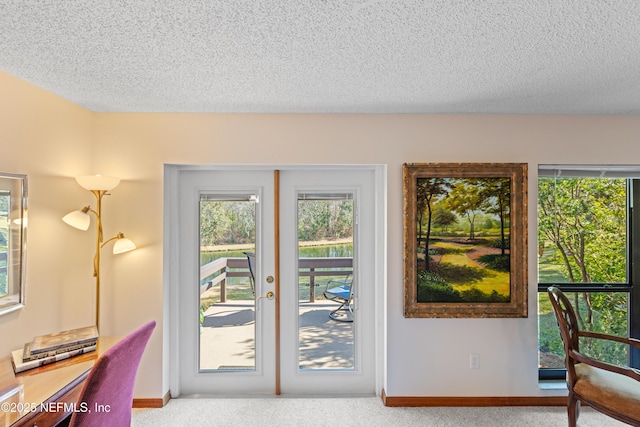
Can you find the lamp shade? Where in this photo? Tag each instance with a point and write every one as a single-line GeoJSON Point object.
{"type": "Point", "coordinates": [78, 219]}
{"type": "Point", "coordinates": [97, 182]}
{"type": "Point", "coordinates": [122, 244]}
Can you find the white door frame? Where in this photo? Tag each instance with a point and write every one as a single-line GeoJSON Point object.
{"type": "Point", "coordinates": [171, 248]}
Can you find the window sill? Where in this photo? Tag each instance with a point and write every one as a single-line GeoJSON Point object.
{"type": "Point", "coordinates": [552, 385]}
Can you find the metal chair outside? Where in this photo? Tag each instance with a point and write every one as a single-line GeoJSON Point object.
{"type": "Point", "coordinates": [341, 291]}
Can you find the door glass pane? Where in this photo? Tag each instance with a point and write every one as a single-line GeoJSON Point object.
{"type": "Point", "coordinates": [227, 291]}
{"type": "Point", "coordinates": [325, 281]}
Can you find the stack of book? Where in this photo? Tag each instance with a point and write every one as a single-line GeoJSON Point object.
{"type": "Point", "coordinates": [51, 348]}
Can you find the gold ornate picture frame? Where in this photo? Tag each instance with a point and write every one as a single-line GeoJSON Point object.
{"type": "Point", "coordinates": [465, 239]}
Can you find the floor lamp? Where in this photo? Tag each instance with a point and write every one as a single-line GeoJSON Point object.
{"type": "Point", "coordinates": [99, 186]}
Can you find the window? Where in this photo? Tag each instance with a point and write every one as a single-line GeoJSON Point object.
{"type": "Point", "coordinates": [585, 247]}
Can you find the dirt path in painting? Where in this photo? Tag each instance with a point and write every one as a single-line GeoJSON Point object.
{"type": "Point", "coordinates": [460, 258]}
{"type": "Point", "coordinates": [468, 256]}
{"type": "Point", "coordinates": [475, 253]}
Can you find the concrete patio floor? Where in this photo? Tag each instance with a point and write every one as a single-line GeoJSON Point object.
{"type": "Point", "coordinates": [227, 341]}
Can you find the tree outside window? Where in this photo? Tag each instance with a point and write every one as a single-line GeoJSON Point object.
{"type": "Point", "coordinates": [583, 248]}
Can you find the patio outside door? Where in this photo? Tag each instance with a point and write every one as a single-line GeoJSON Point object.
{"type": "Point", "coordinates": [243, 331]}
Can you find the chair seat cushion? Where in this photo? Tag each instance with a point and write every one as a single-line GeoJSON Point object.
{"type": "Point", "coordinates": [609, 389]}
{"type": "Point", "coordinates": [340, 291]}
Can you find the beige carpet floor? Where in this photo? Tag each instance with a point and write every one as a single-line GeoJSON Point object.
{"type": "Point", "coordinates": [350, 412]}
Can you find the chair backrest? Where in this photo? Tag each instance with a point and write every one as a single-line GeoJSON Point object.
{"type": "Point", "coordinates": [348, 281]}
{"type": "Point", "coordinates": [568, 325]}
{"type": "Point", "coordinates": [109, 385]}
{"type": "Point", "coordinates": [251, 260]}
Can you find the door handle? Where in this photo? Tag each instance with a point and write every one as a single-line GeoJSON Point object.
{"type": "Point", "coordinates": [269, 295]}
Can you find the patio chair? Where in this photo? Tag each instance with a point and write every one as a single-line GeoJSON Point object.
{"type": "Point", "coordinates": [341, 291]}
{"type": "Point", "coordinates": [611, 389]}
{"type": "Point", "coordinates": [251, 260]}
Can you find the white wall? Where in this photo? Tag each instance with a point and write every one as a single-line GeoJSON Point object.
{"type": "Point", "coordinates": [425, 357]}
{"type": "Point", "coordinates": [49, 140]}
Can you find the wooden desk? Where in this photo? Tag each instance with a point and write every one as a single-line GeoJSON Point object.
{"type": "Point", "coordinates": [37, 397]}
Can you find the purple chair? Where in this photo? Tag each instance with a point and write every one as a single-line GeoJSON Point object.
{"type": "Point", "coordinates": [109, 384]}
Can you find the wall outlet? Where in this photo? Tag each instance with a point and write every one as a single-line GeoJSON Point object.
{"type": "Point", "coordinates": [474, 361]}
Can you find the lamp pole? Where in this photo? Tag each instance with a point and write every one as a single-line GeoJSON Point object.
{"type": "Point", "coordinates": [96, 259]}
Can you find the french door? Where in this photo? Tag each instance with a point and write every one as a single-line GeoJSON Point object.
{"type": "Point", "coordinates": [256, 250]}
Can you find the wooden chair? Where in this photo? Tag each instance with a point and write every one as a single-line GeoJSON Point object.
{"type": "Point", "coordinates": [108, 389]}
{"type": "Point", "coordinates": [341, 291]}
{"type": "Point", "coordinates": [611, 389]}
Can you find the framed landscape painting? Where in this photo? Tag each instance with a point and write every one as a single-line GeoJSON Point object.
{"type": "Point", "coordinates": [465, 239]}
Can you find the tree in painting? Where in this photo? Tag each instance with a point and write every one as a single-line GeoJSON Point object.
{"type": "Point", "coordinates": [428, 189]}
{"type": "Point", "coordinates": [468, 260]}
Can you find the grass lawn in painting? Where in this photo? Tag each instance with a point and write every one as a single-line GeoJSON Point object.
{"type": "Point", "coordinates": [462, 266]}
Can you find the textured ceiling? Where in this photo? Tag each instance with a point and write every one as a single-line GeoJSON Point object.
{"type": "Point", "coordinates": [329, 56]}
